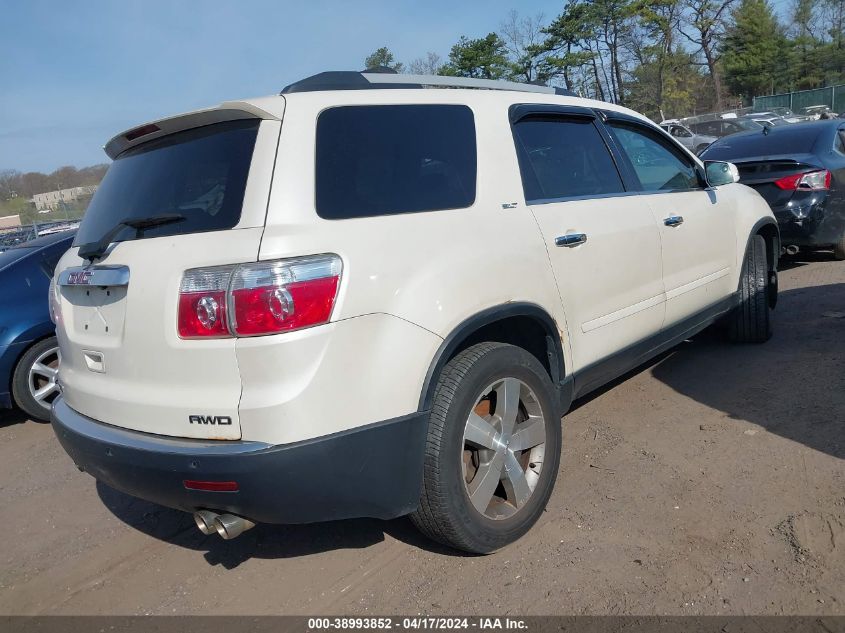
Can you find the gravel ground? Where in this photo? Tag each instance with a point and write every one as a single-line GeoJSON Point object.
{"type": "Point", "coordinates": [710, 482]}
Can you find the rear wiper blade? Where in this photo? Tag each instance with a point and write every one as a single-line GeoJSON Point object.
{"type": "Point", "coordinates": [95, 250]}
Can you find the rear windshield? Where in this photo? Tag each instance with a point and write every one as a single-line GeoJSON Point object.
{"type": "Point", "coordinates": [197, 176]}
{"type": "Point", "coordinates": [790, 139]}
{"type": "Point", "coordinates": [379, 160]}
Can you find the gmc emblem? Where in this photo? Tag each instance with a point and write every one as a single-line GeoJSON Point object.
{"type": "Point", "coordinates": [79, 278]}
{"type": "Point", "coordinates": [219, 420]}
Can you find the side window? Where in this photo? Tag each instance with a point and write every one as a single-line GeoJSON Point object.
{"type": "Point", "coordinates": [563, 158]}
{"type": "Point", "coordinates": [839, 143]}
{"type": "Point", "coordinates": [658, 166]}
{"type": "Point", "coordinates": [50, 257]}
{"type": "Point", "coordinates": [712, 128]}
{"type": "Point", "coordinates": [381, 160]}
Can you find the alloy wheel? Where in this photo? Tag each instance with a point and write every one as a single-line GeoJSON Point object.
{"type": "Point", "coordinates": [43, 374]}
{"type": "Point", "coordinates": [504, 444]}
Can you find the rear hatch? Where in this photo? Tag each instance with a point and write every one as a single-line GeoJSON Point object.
{"type": "Point", "coordinates": [194, 195]}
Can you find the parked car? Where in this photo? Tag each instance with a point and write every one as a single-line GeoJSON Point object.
{"type": "Point", "coordinates": [800, 171]}
{"type": "Point", "coordinates": [29, 353]}
{"type": "Point", "coordinates": [787, 115]}
{"type": "Point", "coordinates": [396, 325]}
{"type": "Point", "coordinates": [768, 119]}
{"type": "Point", "coordinates": [686, 137]}
{"type": "Point", "coordinates": [724, 127]}
{"type": "Point", "coordinates": [816, 112]}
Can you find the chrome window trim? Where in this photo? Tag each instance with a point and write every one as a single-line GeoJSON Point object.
{"type": "Point", "coordinates": [622, 194]}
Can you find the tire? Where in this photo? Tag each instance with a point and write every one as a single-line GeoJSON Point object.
{"type": "Point", "coordinates": [36, 371]}
{"type": "Point", "coordinates": [751, 320]}
{"type": "Point", "coordinates": [473, 382]}
{"type": "Point", "coordinates": [839, 249]}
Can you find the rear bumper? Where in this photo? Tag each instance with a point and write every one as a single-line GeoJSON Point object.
{"type": "Point", "coordinates": [822, 223]}
{"type": "Point", "coordinates": [373, 471]}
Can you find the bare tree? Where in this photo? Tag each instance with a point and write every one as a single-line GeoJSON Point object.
{"type": "Point", "coordinates": [428, 65]}
{"type": "Point", "coordinates": [524, 38]}
{"type": "Point", "coordinates": [704, 25]}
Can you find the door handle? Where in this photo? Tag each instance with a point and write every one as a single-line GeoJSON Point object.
{"type": "Point", "coordinates": [571, 239]}
{"type": "Point", "coordinates": [673, 220]}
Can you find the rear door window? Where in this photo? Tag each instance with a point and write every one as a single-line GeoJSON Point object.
{"type": "Point", "coordinates": [657, 165]}
{"type": "Point", "coordinates": [382, 160]}
{"type": "Point", "coordinates": [564, 158]}
{"type": "Point", "coordinates": [198, 175]}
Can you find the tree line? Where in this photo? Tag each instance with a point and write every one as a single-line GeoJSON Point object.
{"type": "Point", "coordinates": [665, 58]}
{"type": "Point", "coordinates": [15, 184]}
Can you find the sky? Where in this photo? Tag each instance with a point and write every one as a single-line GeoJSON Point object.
{"type": "Point", "coordinates": [73, 73]}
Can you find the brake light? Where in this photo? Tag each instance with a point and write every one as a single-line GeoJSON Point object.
{"type": "Point", "coordinates": [271, 297]}
{"type": "Point", "coordinates": [811, 181]}
{"type": "Point", "coordinates": [258, 298]}
{"type": "Point", "coordinates": [138, 132]}
{"type": "Point", "coordinates": [202, 303]}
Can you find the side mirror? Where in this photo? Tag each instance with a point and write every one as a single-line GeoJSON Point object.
{"type": "Point", "coordinates": [720, 173]}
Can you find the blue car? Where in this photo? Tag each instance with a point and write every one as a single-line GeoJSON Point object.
{"type": "Point", "coordinates": [29, 354]}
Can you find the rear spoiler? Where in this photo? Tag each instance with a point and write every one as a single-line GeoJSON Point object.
{"type": "Point", "coordinates": [228, 111]}
{"type": "Point", "coordinates": [773, 158]}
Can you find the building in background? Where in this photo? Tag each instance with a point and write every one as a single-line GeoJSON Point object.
{"type": "Point", "coordinates": [52, 200]}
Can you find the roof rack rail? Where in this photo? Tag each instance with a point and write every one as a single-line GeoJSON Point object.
{"type": "Point", "coordinates": [380, 78]}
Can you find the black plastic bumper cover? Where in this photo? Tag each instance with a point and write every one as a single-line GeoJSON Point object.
{"type": "Point", "coordinates": [822, 224]}
{"type": "Point", "coordinates": [372, 471]}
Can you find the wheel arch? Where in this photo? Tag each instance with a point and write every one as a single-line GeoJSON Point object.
{"type": "Point", "coordinates": [16, 351]}
{"type": "Point", "coordinates": [523, 324]}
{"type": "Point", "coordinates": [768, 229]}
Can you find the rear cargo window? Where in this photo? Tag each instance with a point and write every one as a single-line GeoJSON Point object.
{"type": "Point", "coordinates": [380, 160]}
{"type": "Point", "coordinates": [197, 176]}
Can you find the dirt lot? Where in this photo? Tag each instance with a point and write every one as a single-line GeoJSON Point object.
{"type": "Point", "coordinates": [710, 482]}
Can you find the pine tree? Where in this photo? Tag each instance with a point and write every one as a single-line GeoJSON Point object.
{"type": "Point", "coordinates": [755, 51]}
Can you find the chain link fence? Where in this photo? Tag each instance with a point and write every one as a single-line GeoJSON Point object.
{"type": "Point", "coordinates": [831, 96]}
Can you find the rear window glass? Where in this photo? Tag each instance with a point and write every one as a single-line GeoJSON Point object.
{"type": "Point", "coordinates": [380, 160]}
{"type": "Point", "coordinates": [562, 158]}
{"type": "Point", "coordinates": [198, 176]}
{"type": "Point", "coordinates": [790, 139]}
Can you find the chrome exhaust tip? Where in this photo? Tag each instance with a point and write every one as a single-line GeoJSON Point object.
{"type": "Point", "coordinates": [230, 526]}
{"type": "Point", "coordinates": [205, 521]}
{"type": "Point", "coordinates": [792, 250]}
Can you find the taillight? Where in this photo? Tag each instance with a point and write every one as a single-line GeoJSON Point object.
{"type": "Point", "coordinates": [258, 298]}
{"type": "Point", "coordinates": [203, 311]}
{"type": "Point", "coordinates": [54, 302]}
{"type": "Point", "coordinates": [811, 181]}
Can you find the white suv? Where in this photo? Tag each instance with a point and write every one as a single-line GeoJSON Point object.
{"type": "Point", "coordinates": [372, 297]}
